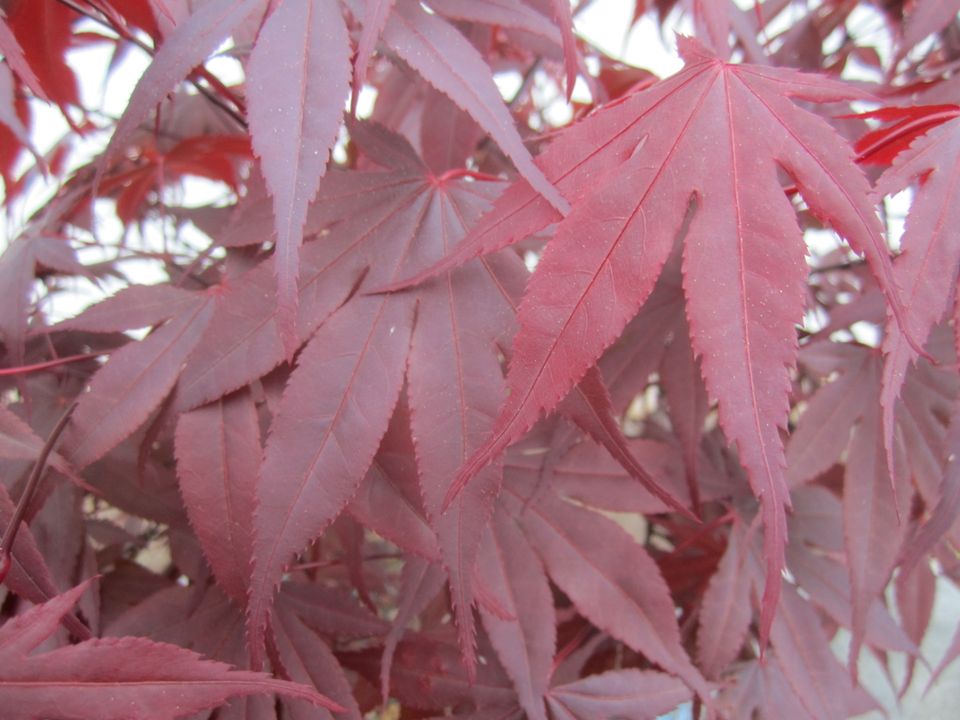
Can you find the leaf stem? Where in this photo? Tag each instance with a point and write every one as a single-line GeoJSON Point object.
{"type": "Point", "coordinates": [236, 114]}
{"type": "Point", "coordinates": [24, 369]}
{"type": "Point", "coordinates": [10, 533]}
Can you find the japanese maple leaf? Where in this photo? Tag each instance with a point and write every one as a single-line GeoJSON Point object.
{"type": "Point", "coordinates": [119, 678]}
{"type": "Point", "coordinates": [610, 578]}
{"type": "Point", "coordinates": [697, 155]}
{"type": "Point", "coordinates": [928, 267]}
{"type": "Point", "coordinates": [318, 452]}
{"type": "Point", "coordinates": [397, 222]}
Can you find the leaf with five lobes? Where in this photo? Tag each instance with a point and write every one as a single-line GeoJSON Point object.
{"type": "Point", "coordinates": [189, 45]}
{"type": "Point", "coordinates": [334, 411]}
{"type": "Point", "coordinates": [743, 262]}
{"type": "Point", "coordinates": [116, 678]}
{"type": "Point", "coordinates": [928, 268]}
{"type": "Point", "coordinates": [628, 694]}
{"type": "Point", "coordinates": [218, 460]}
{"type": "Point", "coordinates": [586, 555]}
{"type": "Point", "coordinates": [448, 61]}
{"type": "Point", "coordinates": [132, 384]}
{"type": "Point", "coordinates": [394, 221]}
{"type": "Point", "coordinates": [511, 571]}
{"type": "Point", "coordinates": [294, 119]}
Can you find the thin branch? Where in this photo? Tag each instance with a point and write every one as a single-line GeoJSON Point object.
{"type": "Point", "coordinates": [235, 114]}
{"type": "Point", "coordinates": [10, 533]}
{"type": "Point", "coordinates": [24, 369]}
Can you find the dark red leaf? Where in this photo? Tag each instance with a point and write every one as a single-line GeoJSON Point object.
{"type": "Point", "coordinates": [294, 119]}
{"type": "Point", "coordinates": [335, 409]}
{"type": "Point", "coordinates": [132, 384]}
{"type": "Point", "coordinates": [447, 61]}
{"type": "Point", "coordinates": [121, 678]}
{"type": "Point", "coordinates": [218, 460]}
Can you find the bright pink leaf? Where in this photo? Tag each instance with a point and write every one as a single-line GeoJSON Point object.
{"type": "Point", "coordinates": [743, 257]}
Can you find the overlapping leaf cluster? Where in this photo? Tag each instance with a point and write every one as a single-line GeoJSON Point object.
{"type": "Point", "coordinates": [352, 447]}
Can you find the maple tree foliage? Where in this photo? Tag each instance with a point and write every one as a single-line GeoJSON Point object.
{"type": "Point", "coordinates": [586, 398]}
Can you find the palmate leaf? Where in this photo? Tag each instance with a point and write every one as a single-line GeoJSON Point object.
{"type": "Point", "coordinates": [451, 64]}
{"type": "Point", "coordinates": [116, 678]}
{"type": "Point", "coordinates": [743, 262]}
{"type": "Point", "coordinates": [340, 398]}
{"type": "Point", "coordinates": [609, 577]}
